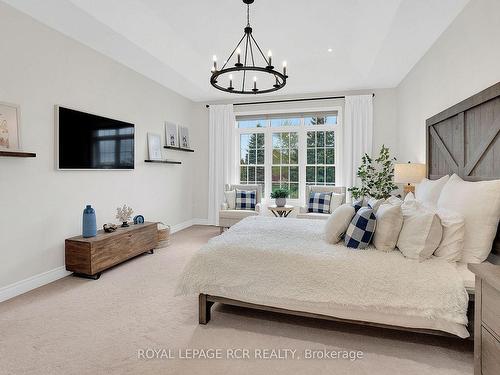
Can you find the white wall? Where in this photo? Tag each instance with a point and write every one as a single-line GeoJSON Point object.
{"type": "Point", "coordinates": [463, 61]}
{"type": "Point", "coordinates": [384, 124]}
{"type": "Point", "coordinates": [39, 206]}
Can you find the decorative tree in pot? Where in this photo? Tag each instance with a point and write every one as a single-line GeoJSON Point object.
{"type": "Point", "coordinates": [280, 196]}
{"type": "Point", "coordinates": [376, 175]}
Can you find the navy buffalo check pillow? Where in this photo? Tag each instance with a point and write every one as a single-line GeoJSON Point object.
{"type": "Point", "coordinates": [246, 199]}
{"type": "Point", "coordinates": [360, 232]}
{"type": "Point", "coordinates": [358, 204]}
{"type": "Point", "coordinates": [319, 202]}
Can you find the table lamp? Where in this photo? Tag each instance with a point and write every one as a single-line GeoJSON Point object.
{"type": "Point", "coordinates": [409, 173]}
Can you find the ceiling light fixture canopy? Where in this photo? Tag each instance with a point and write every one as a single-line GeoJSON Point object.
{"type": "Point", "coordinates": [236, 76]}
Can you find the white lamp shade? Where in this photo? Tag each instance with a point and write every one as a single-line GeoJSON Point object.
{"type": "Point", "coordinates": [409, 173]}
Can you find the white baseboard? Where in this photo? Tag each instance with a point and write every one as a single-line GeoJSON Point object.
{"type": "Point", "coordinates": [187, 224]}
{"type": "Point", "coordinates": [33, 282]}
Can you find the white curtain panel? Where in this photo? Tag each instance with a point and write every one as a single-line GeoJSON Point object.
{"type": "Point", "coordinates": [222, 160]}
{"type": "Point", "coordinates": [356, 136]}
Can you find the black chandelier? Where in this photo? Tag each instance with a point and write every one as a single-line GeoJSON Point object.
{"type": "Point", "coordinates": [242, 68]}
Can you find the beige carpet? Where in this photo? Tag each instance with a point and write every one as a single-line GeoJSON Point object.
{"type": "Point", "coordinates": [78, 326]}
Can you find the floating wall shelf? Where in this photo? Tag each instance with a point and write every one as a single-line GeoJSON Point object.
{"type": "Point", "coordinates": [162, 161]}
{"type": "Point", "coordinates": [17, 154]}
{"type": "Point", "coordinates": [178, 148]}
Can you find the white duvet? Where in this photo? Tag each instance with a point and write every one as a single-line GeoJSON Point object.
{"type": "Point", "coordinates": [287, 263]}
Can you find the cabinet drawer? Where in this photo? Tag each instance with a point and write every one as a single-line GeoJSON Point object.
{"type": "Point", "coordinates": [491, 308]}
{"type": "Point", "coordinates": [490, 358]}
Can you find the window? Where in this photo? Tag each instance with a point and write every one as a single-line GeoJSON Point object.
{"type": "Point", "coordinates": [321, 120]}
{"type": "Point", "coordinates": [288, 150]}
{"type": "Point", "coordinates": [285, 167]}
{"type": "Point", "coordinates": [320, 167]}
{"type": "Point", "coordinates": [252, 158]}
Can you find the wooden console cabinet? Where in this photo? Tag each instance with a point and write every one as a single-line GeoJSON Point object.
{"type": "Point", "coordinates": [487, 319]}
{"type": "Point", "coordinates": [88, 257]}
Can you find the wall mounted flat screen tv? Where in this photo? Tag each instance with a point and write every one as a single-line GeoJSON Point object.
{"type": "Point", "coordinates": [88, 141]}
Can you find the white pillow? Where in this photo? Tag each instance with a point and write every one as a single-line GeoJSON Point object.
{"type": "Point", "coordinates": [479, 203]}
{"type": "Point", "coordinates": [409, 197]}
{"type": "Point", "coordinates": [428, 191]}
{"type": "Point", "coordinates": [452, 243]}
{"type": "Point", "coordinates": [337, 223]}
{"type": "Point", "coordinates": [230, 199]}
{"type": "Point", "coordinates": [421, 233]}
{"type": "Point", "coordinates": [336, 201]}
{"type": "Point", "coordinates": [375, 203]}
{"type": "Point", "coordinates": [389, 224]}
{"type": "Point", "coordinates": [396, 201]}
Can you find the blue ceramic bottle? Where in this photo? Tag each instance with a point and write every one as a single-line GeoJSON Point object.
{"type": "Point", "coordinates": [89, 222]}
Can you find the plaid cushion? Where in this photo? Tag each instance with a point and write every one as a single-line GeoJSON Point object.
{"type": "Point", "coordinates": [360, 232]}
{"type": "Point", "coordinates": [319, 202]}
{"type": "Point", "coordinates": [358, 204]}
{"type": "Point", "coordinates": [245, 199]}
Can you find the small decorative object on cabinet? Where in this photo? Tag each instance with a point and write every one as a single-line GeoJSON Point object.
{"type": "Point", "coordinates": [138, 219]}
{"type": "Point", "coordinates": [109, 227]}
{"type": "Point", "coordinates": [486, 319]}
{"type": "Point", "coordinates": [124, 214]}
{"type": "Point", "coordinates": [89, 226]}
{"type": "Point", "coordinates": [154, 146]}
{"type": "Point", "coordinates": [88, 257]}
{"type": "Point", "coordinates": [280, 196]}
{"type": "Point", "coordinates": [171, 136]}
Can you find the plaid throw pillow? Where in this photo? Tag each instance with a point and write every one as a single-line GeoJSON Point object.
{"type": "Point", "coordinates": [358, 204]}
{"type": "Point", "coordinates": [319, 202]}
{"type": "Point", "coordinates": [360, 232]}
{"type": "Point", "coordinates": [246, 199]}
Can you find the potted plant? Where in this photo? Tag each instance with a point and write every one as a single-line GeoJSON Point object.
{"type": "Point", "coordinates": [376, 175]}
{"type": "Point", "coordinates": [280, 196]}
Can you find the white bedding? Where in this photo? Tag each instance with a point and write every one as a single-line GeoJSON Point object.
{"type": "Point", "coordinates": [287, 263]}
{"type": "Point", "coordinates": [468, 277]}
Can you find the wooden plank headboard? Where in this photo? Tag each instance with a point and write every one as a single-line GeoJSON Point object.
{"type": "Point", "coordinates": [464, 139]}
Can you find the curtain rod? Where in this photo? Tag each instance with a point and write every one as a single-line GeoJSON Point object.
{"type": "Point", "coordinates": [292, 100]}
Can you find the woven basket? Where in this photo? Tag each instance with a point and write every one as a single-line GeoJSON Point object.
{"type": "Point", "coordinates": [163, 235]}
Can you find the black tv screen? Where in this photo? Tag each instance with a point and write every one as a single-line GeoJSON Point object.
{"type": "Point", "coordinates": [88, 141]}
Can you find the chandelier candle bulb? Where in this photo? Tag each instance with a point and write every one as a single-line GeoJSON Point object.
{"type": "Point", "coordinates": [230, 81]}
{"type": "Point", "coordinates": [270, 56]}
{"type": "Point", "coordinates": [255, 83]}
{"type": "Point", "coordinates": [238, 52]}
{"type": "Point", "coordinates": [284, 68]}
{"type": "Point", "coordinates": [215, 62]}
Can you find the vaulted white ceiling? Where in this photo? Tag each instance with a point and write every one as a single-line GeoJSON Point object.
{"type": "Point", "coordinates": [374, 43]}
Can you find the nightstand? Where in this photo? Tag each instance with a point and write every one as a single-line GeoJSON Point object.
{"type": "Point", "coordinates": [487, 319]}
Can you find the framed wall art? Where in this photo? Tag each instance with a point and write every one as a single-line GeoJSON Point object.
{"type": "Point", "coordinates": [10, 115]}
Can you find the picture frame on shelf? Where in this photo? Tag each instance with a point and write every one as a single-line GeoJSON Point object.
{"type": "Point", "coordinates": [183, 137]}
{"type": "Point", "coordinates": [154, 146]}
{"type": "Point", "coordinates": [171, 136]}
{"type": "Point", "coordinates": [10, 119]}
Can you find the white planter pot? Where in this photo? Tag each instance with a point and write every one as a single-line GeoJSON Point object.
{"type": "Point", "coordinates": [280, 202]}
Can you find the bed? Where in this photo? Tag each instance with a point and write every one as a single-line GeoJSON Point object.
{"type": "Point", "coordinates": [287, 267]}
